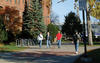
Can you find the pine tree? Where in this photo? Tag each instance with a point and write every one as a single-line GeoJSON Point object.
{"type": "Point", "coordinates": [33, 19]}
{"type": "Point", "coordinates": [28, 20]}
{"type": "Point", "coordinates": [3, 33]}
{"type": "Point", "coordinates": [38, 18]}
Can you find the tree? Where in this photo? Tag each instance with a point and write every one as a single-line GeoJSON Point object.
{"type": "Point", "coordinates": [89, 7]}
{"type": "Point", "coordinates": [3, 32]}
{"type": "Point", "coordinates": [53, 29]}
{"type": "Point", "coordinates": [28, 22]}
{"type": "Point", "coordinates": [39, 25]}
{"type": "Point", "coordinates": [95, 11]}
{"type": "Point", "coordinates": [54, 18]}
{"type": "Point", "coordinates": [10, 23]}
{"type": "Point", "coordinates": [72, 24]}
{"type": "Point", "coordinates": [33, 19]}
{"type": "Point", "coordinates": [12, 20]}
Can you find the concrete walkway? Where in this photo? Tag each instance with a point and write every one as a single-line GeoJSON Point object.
{"type": "Point", "coordinates": [34, 54]}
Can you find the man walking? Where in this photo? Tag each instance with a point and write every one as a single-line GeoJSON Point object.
{"type": "Point", "coordinates": [59, 36]}
{"type": "Point", "coordinates": [40, 38]}
{"type": "Point", "coordinates": [48, 38]}
{"type": "Point", "coordinates": [76, 38]}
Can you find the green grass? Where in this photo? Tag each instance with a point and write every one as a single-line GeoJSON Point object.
{"type": "Point", "coordinates": [94, 55]}
{"type": "Point", "coordinates": [94, 44]}
{"type": "Point", "coordinates": [66, 41]}
{"type": "Point", "coordinates": [10, 48]}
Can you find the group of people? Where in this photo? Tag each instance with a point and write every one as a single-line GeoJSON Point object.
{"type": "Point", "coordinates": [48, 39]}
{"type": "Point", "coordinates": [76, 38]}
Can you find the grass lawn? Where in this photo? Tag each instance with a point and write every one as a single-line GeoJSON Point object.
{"type": "Point", "coordinates": [94, 44]}
{"type": "Point", "coordinates": [94, 55]}
{"type": "Point", "coordinates": [10, 48]}
{"type": "Point", "coordinates": [66, 41]}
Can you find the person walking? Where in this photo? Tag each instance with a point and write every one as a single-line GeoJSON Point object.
{"type": "Point", "coordinates": [59, 36]}
{"type": "Point", "coordinates": [76, 38]}
{"type": "Point", "coordinates": [40, 38]}
{"type": "Point", "coordinates": [48, 38]}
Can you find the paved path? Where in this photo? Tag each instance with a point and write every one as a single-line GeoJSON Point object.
{"type": "Point", "coordinates": [34, 54]}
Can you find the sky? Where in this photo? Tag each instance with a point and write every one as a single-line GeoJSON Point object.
{"type": "Point", "coordinates": [63, 8]}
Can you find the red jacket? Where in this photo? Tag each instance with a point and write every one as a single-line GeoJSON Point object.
{"type": "Point", "coordinates": [59, 36]}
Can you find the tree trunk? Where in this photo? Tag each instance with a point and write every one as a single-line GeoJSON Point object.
{"type": "Point", "coordinates": [89, 28]}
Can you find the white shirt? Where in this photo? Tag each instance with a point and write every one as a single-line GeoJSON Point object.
{"type": "Point", "coordinates": [40, 37]}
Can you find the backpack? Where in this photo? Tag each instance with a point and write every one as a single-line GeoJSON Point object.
{"type": "Point", "coordinates": [76, 37]}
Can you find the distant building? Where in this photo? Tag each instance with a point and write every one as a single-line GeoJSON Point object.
{"type": "Point", "coordinates": [97, 0]}
{"type": "Point", "coordinates": [95, 30]}
{"type": "Point", "coordinates": [46, 5]}
{"type": "Point", "coordinates": [19, 5]}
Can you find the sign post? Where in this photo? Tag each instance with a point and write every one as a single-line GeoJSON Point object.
{"type": "Point", "coordinates": [82, 6]}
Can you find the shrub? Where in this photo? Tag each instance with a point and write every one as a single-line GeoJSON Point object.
{"type": "Point", "coordinates": [53, 29]}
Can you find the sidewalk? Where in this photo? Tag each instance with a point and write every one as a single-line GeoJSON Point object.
{"type": "Point", "coordinates": [34, 54]}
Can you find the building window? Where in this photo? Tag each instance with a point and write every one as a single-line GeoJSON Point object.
{"type": "Point", "coordinates": [6, 0]}
{"type": "Point", "coordinates": [23, 1]}
{"type": "Point", "coordinates": [1, 7]}
{"type": "Point", "coordinates": [27, 3]}
{"type": "Point", "coordinates": [10, 1]}
{"type": "Point", "coordinates": [15, 1]}
{"type": "Point", "coordinates": [7, 17]}
{"type": "Point", "coordinates": [18, 1]}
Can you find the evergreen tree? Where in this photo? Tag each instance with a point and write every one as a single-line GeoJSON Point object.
{"type": "Point", "coordinates": [33, 18]}
{"type": "Point", "coordinates": [72, 24]}
{"type": "Point", "coordinates": [27, 22]}
{"type": "Point", "coordinates": [39, 25]}
{"type": "Point", "coordinates": [53, 29]}
{"type": "Point", "coordinates": [3, 33]}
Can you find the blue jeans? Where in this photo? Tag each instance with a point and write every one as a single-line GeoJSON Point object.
{"type": "Point", "coordinates": [59, 43]}
{"type": "Point", "coordinates": [40, 43]}
{"type": "Point", "coordinates": [76, 46]}
{"type": "Point", "coordinates": [48, 43]}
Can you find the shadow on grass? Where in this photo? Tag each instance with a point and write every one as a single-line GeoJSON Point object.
{"type": "Point", "coordinates": [5, 51]}
{"type": "Point", "coordinates": [94, 55]}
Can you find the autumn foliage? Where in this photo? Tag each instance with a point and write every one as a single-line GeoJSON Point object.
{"type": "Point", "coordinates": [12, 19]}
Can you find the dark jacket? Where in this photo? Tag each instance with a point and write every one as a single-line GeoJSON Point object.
{"type": "Point", "coordinates": [76, 37]}
{"type": "Point", "coordinates": [48, 37]}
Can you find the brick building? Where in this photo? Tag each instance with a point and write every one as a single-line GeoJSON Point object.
{"type": "Point", "coordinates": [19, 5]}
{"type": "Point", "coordinates": [46, 4]}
